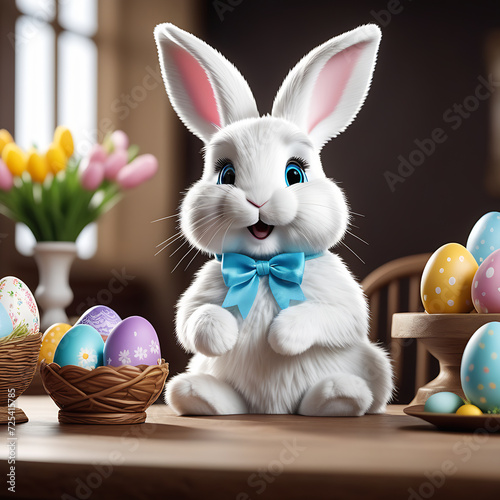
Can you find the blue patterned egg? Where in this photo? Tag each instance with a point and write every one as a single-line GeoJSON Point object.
{"type": "Point", "coordinates": [485, 236]}
{"type": "Point", "coordinates": [480, 367]}
{"type": "Point", "coordinates": [82, 346]}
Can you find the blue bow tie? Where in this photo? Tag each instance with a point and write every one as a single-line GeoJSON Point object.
{"type": "Point", "coordinates": [242, 274]}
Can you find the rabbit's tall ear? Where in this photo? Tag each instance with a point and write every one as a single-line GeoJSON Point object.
{"type": "Point", "coordinates": [323, 93]}
{"type": "Point", "coordinates": [205, 89]}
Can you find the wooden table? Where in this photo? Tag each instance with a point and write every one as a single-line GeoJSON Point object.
{"type": "Point", "coordinates": [248, 457]}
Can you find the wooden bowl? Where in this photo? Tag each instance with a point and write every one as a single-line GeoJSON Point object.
{"type": "Point", "coordinates": [105, 395]}
{"type": "Point", "coordinates": [445, 336]}
{"type": "Point", "coordinates": [18, 359]}
{"type": "Point", "coordinates": [453, 422]}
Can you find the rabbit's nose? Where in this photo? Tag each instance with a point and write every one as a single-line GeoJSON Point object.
{"type": "Point", "coordinates": [255, 204]}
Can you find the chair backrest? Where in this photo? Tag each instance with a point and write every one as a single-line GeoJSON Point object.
{"type": "Point", "coordinates": [391, 288]}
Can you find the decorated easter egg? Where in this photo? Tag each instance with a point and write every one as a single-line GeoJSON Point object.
{"type": "Point", "coordinates": [480, 367]}
{"type": "Point", "coordinates": [485, 236]}
{"type": "Point", "coordinates": [447, 279]}
{"type": "Point", "coordinates": [102, 318]}
{"type": "Point", "coordinates": [19, 303]}
{"type": "Point", "coordinates": [5, 322]}
{"type": "Point", "coordinates": [132, 342]}
{"type": "Point", "coordinates": [443, 402]}
{"type": "Point", "coordinates": [486, 285]}
{"type": "Point", "coordinates": [81, 345]}
{"type": "Point", "coordinates": [50, 341]}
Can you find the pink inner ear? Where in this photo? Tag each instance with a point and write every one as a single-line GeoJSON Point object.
{"type": "Point", "coordinates": [197, 85]}
{"type": "Point", "coordinates": [331, 83]}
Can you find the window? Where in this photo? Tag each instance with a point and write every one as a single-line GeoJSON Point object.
{"type": "Point", "coordinates": [55, 71]}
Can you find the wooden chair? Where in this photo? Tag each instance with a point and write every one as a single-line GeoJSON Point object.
{"type": "Point", "coordinates": [391, 288]}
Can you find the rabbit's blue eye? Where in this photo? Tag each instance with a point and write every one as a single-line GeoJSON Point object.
{"type": "Point", "coordinates": [294, 174]}
{"type": "Point", "coordinates": [227, 175]}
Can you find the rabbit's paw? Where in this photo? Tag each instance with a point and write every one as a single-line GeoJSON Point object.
{"type": "Point", "coordinates": [290, 332]}
{"type": "Point", "coordinates": [189, 394]}
{"type": "Point", "coordinates": [341, 395]}
{"type": "Point", "coordinates": [214, 330]}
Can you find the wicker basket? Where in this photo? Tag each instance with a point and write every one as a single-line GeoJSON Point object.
{"type": "Point", "coordinates": [105, 395]}
{"type": "Point", "coordinates": [18, 359]}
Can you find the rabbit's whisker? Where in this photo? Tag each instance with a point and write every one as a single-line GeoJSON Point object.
{"type": "Point", "coordinates": [357, 214]}
{"type": "Point", "coordinates": [212, 219]}
{"type": "Point", "coordinates": [178, 234]}
{"type": "Point", "coordinates": [165, 218]}
{"type": "Point", "coordinates": [194, 257]}
{"type": "Point", "coordinates": [203, 220]}
{"type": "Point", "coordinates": [166, 244]}
{"type": "Point", "coordinates": [350, 249]}
{"type": "Point", "coordinates": [222, 245]}
{"type": "Point", "coordinates": [185, 255]}
{"type": "Point", "coordinates": [225, 234]}
{"type": "Point", "coordinates": [335, 209]}
{"type": "Point", "coordinates": [192, 247]}
{"type": "Point", "coordinates": [357, 237]}
{"type": "Point", "coordinates": [178, 248]}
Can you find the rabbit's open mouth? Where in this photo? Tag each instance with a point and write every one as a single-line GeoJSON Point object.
{"type": "Point", "coordinates": [260, 230]}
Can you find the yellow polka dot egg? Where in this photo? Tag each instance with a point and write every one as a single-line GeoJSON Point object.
{"type": "Point", "coordinates": [447, 280]}
{"type": "Point", "coordinates": [480, 368]}
{"type": "Point", "coordinates": [50, 341]}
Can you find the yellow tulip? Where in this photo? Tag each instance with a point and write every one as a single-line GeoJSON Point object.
{"type": "Point", "coordinates": [37, 166]}
{"type": "Point", "coordinates": [15, 158]}
{"type": "Point", "coordinates": [56, 158]}
{"type": "Point", "coordinates": [5, 138]}
{"type": "Point", "coordinates": [64, 139]}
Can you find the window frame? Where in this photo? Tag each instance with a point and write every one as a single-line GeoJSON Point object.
{"type": "Point", "coordinates": [11, 13]}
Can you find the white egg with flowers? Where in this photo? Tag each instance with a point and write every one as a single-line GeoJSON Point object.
{"type": "Point", "coordinates": [18, 306]}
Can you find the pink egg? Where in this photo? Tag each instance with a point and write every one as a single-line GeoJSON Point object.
{"type": "Point", "coordinates": [485, 289]}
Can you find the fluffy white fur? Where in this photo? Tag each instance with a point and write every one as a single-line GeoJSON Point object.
{"type": "Point", "coordinates": [314, 357]}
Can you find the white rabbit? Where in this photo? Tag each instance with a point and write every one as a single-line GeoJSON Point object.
{"type": "Point", "coordinates": [277, 342]}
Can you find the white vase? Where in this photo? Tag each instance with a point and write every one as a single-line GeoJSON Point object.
{"type": "Point", "coordinates": [54, 260]}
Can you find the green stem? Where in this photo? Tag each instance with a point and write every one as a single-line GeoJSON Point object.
{"type": "Point", "coordinates": [76, 210]}
{"type": "Point", "coordinates": [60, 208]}
{"type": "Point", "coordinates": [37, 209]}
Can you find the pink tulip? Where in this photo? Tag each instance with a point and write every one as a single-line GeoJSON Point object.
{"type": "Point", "coordinates": [6, 179]}
{"type": "Point", "coordinates": [114, 163]}
{"type": "Point", "coordinates": [92, 175]}
{"type": "Point", "coordinates": [119, 139]}
{"type": "Point", "coordinates": [138, 171]}
{"type": "Point", "coordinates": [97, 153]}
